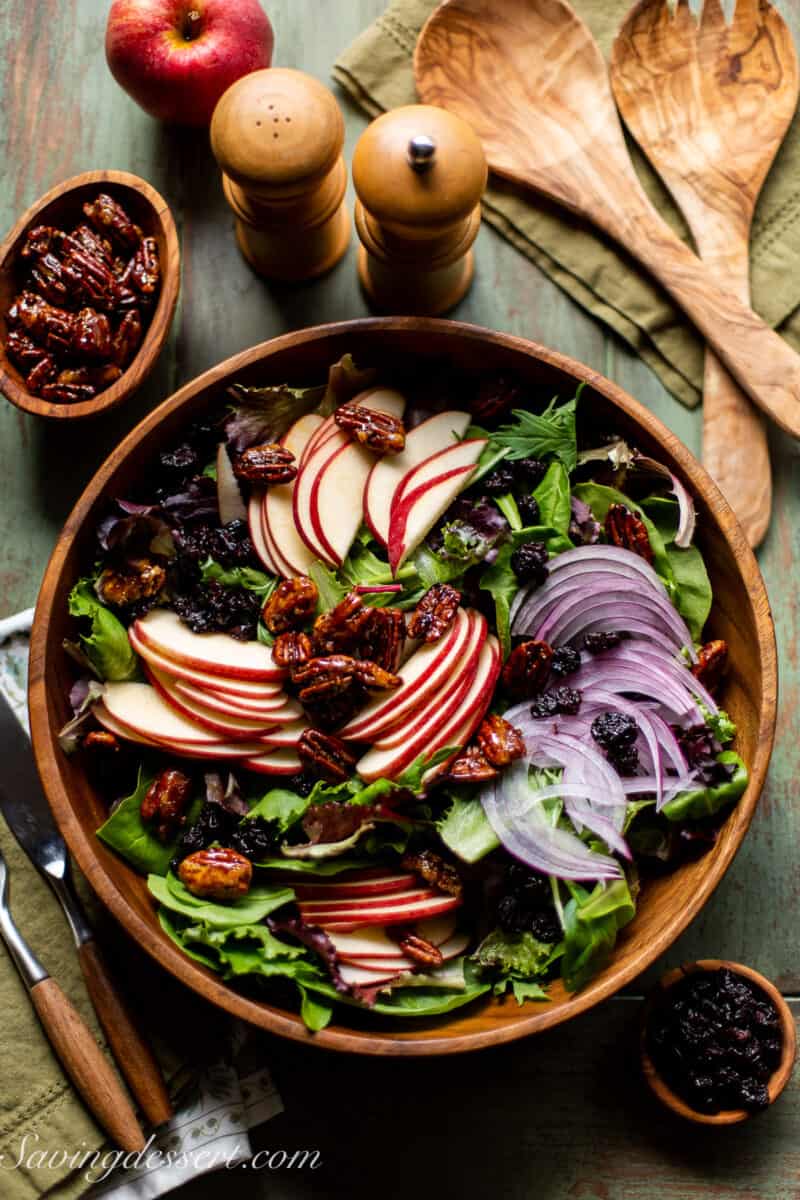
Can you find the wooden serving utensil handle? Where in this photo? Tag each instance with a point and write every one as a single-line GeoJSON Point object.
{"type": "Point", "coordinates": [131, 1051]}
{"type": "Point", "coordinates": [86, 1065]}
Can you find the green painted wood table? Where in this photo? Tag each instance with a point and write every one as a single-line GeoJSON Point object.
{"type": "Point", "coordinates": [562, 1115]}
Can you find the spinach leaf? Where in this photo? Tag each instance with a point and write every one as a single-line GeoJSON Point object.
{"type": "Point", "coordinates": [315, 1014]}
{"type": "Point", "coordinates": [106, 647]}
{"type": "Point", "coordinates": [465, 829]}
{"type": "Point", "coordinates": [705, 801]}
{"type": "Point", "coordinates": [502, 585]}
{"type": "Point", "coordinates": [694, 596]}
{"type": "Point", "coordinates": [249, 910]}
{"type": "Point", "coordinates": [411, 1001]}
{"type": "Point", "coordinates": [280, 805]}
{"type": "Point", "coordinates": [245, 577]}
{"type": "Point", "coordinates": [541, 435]}
{"type": "Point", "coordinates": [552, 495]}
{"type": "Point", "coordinates": [591, 922]}
{"type": "Point", "coordinates": [126, 832]}
{"type": "Point", "coordinates": [518, 954]}
{"type": "Point", "coordinates": [524, 989]}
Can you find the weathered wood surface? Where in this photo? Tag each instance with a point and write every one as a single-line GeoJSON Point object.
{"type": "Point", "coordinates": [557, 1116]}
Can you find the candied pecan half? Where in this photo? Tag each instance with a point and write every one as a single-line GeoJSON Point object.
{"type": "Point", "coordinates": [145, 269]}
{"type": "Point", "coordinates": [99, 247]}
{"type": "Point", "coordinates": [97, 377]}
{"type": "Point", "coordinates": [137, 579]}
{"type": "Point", "coordinates": [87, 278]}
{"type": "Point", "coordinates": [330, 674]}
{"type": "Point", "coordinates": [269, 463]}
{"type": "Point", "coordinates": [50, 326]}
{"type": "Point", "coordinates": [340, 629]}
{"type": "Point", "coordinates": [625, 529]}
{"type": "Point", "coordinates": [499, 741]}
{"type": "Point", "coordinates": [91, 334]}
{"type": "Point", "coordinates": [23, 349]}
{"type": "Point", "coordinates": [383, 637]}
{"type": "Point", "coordinates": [421, 950]}
{"type": "Point", "coordinates": [127, 339]}
{"type": "Point", "coordinates": [51, 280]}
{"type": "Point", "coordinates": [101, 741]}
{"type": "Point", "coordinates": [67, 393]}
{"type": "Point", "coordinates": [471, 766]}
{"type": "Point", "coordinates": [217, 873]}
{"type": "Point", "coordinates": [40, 240]}
{"type": "Point", "coordinates": [433, 869]}
{"type": "Point", "coordinates": [110, 218]}
{"type": "Point", "coordinates": [290, 605]}
{"type": "Point", "coordinates": [378, 431]}
{"type": "Point", "coordinates": [292, 649]}
{"type": "Point", "coordinates": [435, 613]}
{"type": "Point", "coordinates": [327, 756]}
{"type": "Point", "coordinates": [712, 662]}
{"type": "Point", "coordinates": [527, 668]}
{"type": "Point", "coordinates": [165, 802]}
{"type": "Point", "coordinates": [42, 374]}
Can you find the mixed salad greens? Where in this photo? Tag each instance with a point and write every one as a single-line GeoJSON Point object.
{"type": "Point", "coordinates": [398, 693]}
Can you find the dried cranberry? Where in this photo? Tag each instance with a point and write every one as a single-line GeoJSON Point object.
{"type": "Point", "coordinates": [544, 706]}
{"type": "Point", "coordinates": [530, 471]}
{"type": "Point", "coordinates": [529, 563]}
{"type": "Point", "coordinates": [614, 730]}
{"type": "Point", "coordinates": [528, 510]}
{"type": "Point", "coordinates": [596, 643]}
{"type": "Point", "coordinates": [500, 481]}
{"type": "Point", "coordinates": [565, 661]}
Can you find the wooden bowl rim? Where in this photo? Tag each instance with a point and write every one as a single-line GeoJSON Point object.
{"type": "Point", "coordinates": [205, 982]}
{"type": "Point", "coordinates": [144, 360]}
{"type": "Point", "coordinates": [780, 1076]}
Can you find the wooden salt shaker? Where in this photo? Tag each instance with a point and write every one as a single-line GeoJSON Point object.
{"type": "Point", "coordinates": [277, 135]}
{"type": "Point", "coordinates": [419, 173]}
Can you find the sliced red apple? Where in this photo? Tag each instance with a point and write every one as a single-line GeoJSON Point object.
{"type": "Point", "coordinates": [118, 727]}
{"type": "Point", "coordinates": [144, 710]}
{"type": "Point", "coordinates": [276, 762]}
{"type": "Point", "coordinates": [225, 724]}
{"type": "Point", "coordinates": [375, 942]}
{"type": "Point", "coordinates": [398, 964]}
{"type": "Point", "coordinates": [365, 977]}
{"type": "Point", "coordinates": [390, 915]}
{"type": "Point", "coordinates": [343, 906]}
{"type": "Point", "coordinates": [422, 442]}
{"type": "Point", "coordinates": [215, 653]}
{"type": "Point", "coordinates": [345, 888]}
{"type": "Point", "coordinates": [239, 688]}
{"type": "Point", "coordinates": [336, 499]}
{"type": "Point", "coordinates": [255, 527]}
{"type": "Point", "coordinates": [304, 485]}
{"type": "Point", "coordinates": [290, 553]}
{"type": "Point", "coordinates": [387, 763]}
{"type": "Point", "coordinates": [287, 735]}
{"type": "Point", "coordinates": [422, 675]}
{"type": "Point", "coordinates": [223, 703]}
{"type": "Point", "coordinates": [219, 749]}
{"type": "Point", "coordinates": [229, 495]}
{"type": "Point", "coordinates": [443, 702]}
{"type": "Point", "coordinates": [425, 495]}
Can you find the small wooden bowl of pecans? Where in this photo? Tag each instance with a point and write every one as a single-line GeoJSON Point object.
{"type": "Point", "coordinates": [89, 280]}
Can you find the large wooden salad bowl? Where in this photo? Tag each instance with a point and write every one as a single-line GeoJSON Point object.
{"type": "Point", "coordinates": [741, 615]}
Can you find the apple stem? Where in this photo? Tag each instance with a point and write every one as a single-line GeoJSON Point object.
{"type": "Point", "coordinates": [191, 25]}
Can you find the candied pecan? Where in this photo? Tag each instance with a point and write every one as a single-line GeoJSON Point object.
{"type": "Point", "coordinates": [24, 350]}
{"type": "Point", "coordinates": [328, 675]}
{"type": "Point", "coordinates": [325, 755]}
{"type": "Point", "coordinates": [625, 529]}
{"type": "Point", "coordinates": [40, 240]}
{"type": "Point", "coordinates": [165, 802]}
{"type": "Point", "coordinates": [108, 217]}
{"type": "Point", "coordinates": [42, 374]}
{"type": "Point", "coordinates": [51, 281]}
{"type": "Point", "coordinates": [341, 628]}
{"type": "Point", "coordinates": [435, 613]}
{"type": "Point", "coordinates": [712, 659]}
{"type": "Point", "coordinates": [292, 649]}
{"type": "Point", "coordinates": [471, 766]}
{"type": "Point", "coordinates": [527, 668]}
{"type": "Point", "coordinates": [421, 950]}
{"type": "Point", "coordinates": [67, 393]}
{"type": "Point", "coordinates": [290, 605]}
{"type": "Point", "coordinates": [126, 340]}
{"type": "Point", "coordinates": [88, 280]}
{"type": "Point", "coordinates": [91, 334]}
{"type": "Point", "coordinates": [96, 377]}
{"type": "Point", "coordinates": [378, 431]}
{"type": "Point", "coordinates": [50, 326]}
{"type": "Point", "coordinates": [269, 463]}
{"type": "Point", "coordinates": [433, 869]}
{"type": "Point", "coordinates": [99, 247]}
{"type": "Point", "coordinates": [217, 873]}
{"type": "Point", "coordinates": [101, 741]}
{"type": "Point", "coordinates": [145, 271]}
{"type": "Point", "coordinates": [383, 637]}
{"type": "Point", "coordinates": [499, 741]}
{"type": "Point", "coordinates": [137, 579]}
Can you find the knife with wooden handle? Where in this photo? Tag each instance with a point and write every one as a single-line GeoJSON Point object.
{"type": "Point", "coordinates": [70, 1037]}
{"type": "Point", "coordinates": [28, 815]}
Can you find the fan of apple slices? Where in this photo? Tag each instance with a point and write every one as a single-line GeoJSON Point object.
{"type": "Point", "coordinates": [340, 484]}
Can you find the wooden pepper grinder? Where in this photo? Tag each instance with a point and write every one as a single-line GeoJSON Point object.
{"type": "Point", "coordinates": [419, 173]}
{"type": "Point", "coordinates": [277, 134]}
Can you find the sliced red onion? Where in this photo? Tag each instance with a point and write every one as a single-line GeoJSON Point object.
{"type": "Point", "coordinates": [574, 614]}
{"type": "Point", "coordinates": [516, 815]}
{"type": "Point", "coordinates": [645, 722]}
{"type": "Point", "coordinates": [643, 679]}
{"type": "Point", "coordinates": [651, 654]}
{"type": "Point", "coordinates": [574, 565]}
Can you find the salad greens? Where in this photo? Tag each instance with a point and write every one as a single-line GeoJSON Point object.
{"type": "Point", "coordinates": [106, 646]}
{"type": "Point", "coordinates": [541, 435]}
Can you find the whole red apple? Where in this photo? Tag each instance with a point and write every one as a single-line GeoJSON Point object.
{"type": "Point", "coordinates": [177, 57]}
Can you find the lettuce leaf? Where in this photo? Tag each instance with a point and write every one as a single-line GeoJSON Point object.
{"type": "Point", "coordinates": [245, 577]}
{"type": "Point", "coordinates": [591, 923]}
{"type": "Point", "coordinates": [107, 647]}
{"type": "Point", "coordinates": [126, 832]}
{"type": "Point", "coordinates": [705, 801]}
{"type": "Point", "coordinates": [249, 910]}
{"type": "Point", "coordinates": [465, 829]}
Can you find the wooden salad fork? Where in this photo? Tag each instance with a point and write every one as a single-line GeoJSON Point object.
{"type": "Point", "coordinates": [709, 103]}
{"type": "Point", "coordinates": [530, 79]}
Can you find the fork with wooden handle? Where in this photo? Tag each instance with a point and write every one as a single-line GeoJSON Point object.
{"type": "Point", "coordinates": [72, 1040]}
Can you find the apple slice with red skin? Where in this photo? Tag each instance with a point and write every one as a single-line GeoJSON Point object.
{"type": "Point", "coordinates": [445, 700]}
{"type": "Point", "coordinates": [425, 493]}
{"type": "Point", "coordinates": [343, 904]}
{"type": "Point", "coordinates": [388, 763]}
{"type": "Point", "coordinates": [254, 525]}
{"type": "Point", "coordinates": [338, 889]}
{"type": "Point", "coordinates": [375, 942]}
{"type": "Point", "coordinates": [280, 761]}
{"type": "Point", "coordinates": [220, 702]}
{"type": "Point", "coordinates": [288, 550]}
{"type": "Point", "coordinates": [240, 688]}
{"type": "Point", "coordinates": [287, 735]}
{"type": "Point", "coordinates": [399, 915]}
{"type": "Point", "coordinates": [422, 675]}
{"type": "Point", "coordinates": [362, 977]}
{"type": "Point", "coordinates": [139, 708]}
{"type": "Point", "coordinates": [214, 653]}
{"type": "Point", "coordinates": [397, 966]}
{"type": "Point", "coordinates": [303, 487]}
{"type": "Point", "coordinates": [422, 442]}
{"type": "Point", "coordinates": [215, 750]}
{"type": "Point", "coordinates": [384, 399]}
{"type": "Point", "coordinates": [227, 726]}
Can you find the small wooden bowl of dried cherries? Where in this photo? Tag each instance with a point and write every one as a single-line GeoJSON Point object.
{"type": "Point", "coordinates": [718, 1042]}
{"type": "Point", "coordinates": [89, 280]}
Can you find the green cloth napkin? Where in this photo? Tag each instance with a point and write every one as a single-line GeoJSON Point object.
{"type": "Point", "coordinates": [377, 72]}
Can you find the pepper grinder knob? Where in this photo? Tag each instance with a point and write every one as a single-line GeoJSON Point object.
{"type": "Point", "coordinates": [419, 174]}
{"type": "Point", "coordinates": [277, 135]}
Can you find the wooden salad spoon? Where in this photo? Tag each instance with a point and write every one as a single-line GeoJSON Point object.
{"type": "Point", "coordinates": [530, 79]}
{"type": "Point", "coordinates": [710, 103]}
